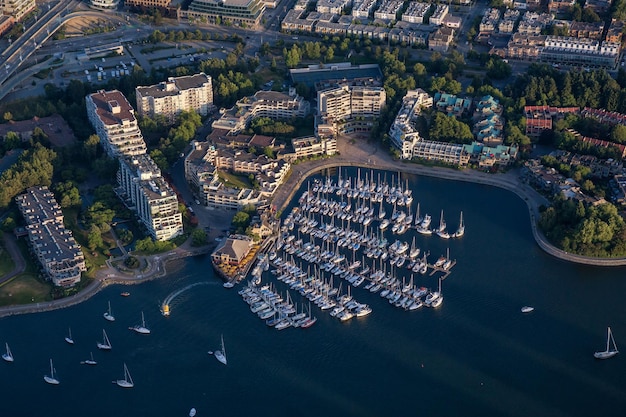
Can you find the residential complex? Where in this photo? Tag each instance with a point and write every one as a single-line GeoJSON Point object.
{"type": "Point", "coordinates": [272, 104]}
{"type": "Point", "coordinates": [388, 9]}
{"type": "Point", "coordinates": [61, 258]}
{"type": "Point", "coordinates": [407, 140]}
{"type": "Point", "coordinates": [17, 8]}
{"type": "Point", "coordinates": [346, 106]}
{"type": "Point", "coordinates": [403, 133]}
{"type": "Point", "coordinates": [177, 94]}
{"type": "Point", "coordinates": [146, 192]}
{"type": "Point", "coordinates": [114, 120]}
{"type": "Point", "coordinates": [247, 12]}
{"type": "Point", "coordinates": [313, 146]}
{"type": "Point", "coordinates": [141, 186]}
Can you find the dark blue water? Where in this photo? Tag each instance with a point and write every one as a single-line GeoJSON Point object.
{"type": "Point", "coordinates": [477, 355]}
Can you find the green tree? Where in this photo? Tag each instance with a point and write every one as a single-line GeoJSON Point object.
{"type": "Point", "coordinates": [198, 237]}
{"type": "Point", "coordinates": [67, 194]}
{"type": "Point", "coordinates": [240, 221]}
{"type": "Point", "coordinates": [94, 237]}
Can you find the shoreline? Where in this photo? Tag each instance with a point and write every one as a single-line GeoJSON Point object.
{"type": "Point", "coordinates": [364, 158]}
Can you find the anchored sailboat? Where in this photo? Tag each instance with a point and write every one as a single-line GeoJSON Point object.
{"type": "Point", "coordinates": [141, 328]}
{"type": "Point", "coordinates": [89, 361]}
{"type": "Point", "coordinates": [68, 338]}
{"type": "Point", "coordinates": [105, 344]}
{"type": "Point", "coordinates": [220, 355]}
{"type": "Point", "coordinates": [52, 378]}
{"type": "Point", "coordinates": [611, 347]}
{"type": "Point", "coordinates": [8, 356]}
{"type": "Point", "coordinates": [108, 315]}
{"type": "Point", "coordinates": [127, 382]}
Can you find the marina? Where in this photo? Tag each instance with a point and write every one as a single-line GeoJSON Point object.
{"type": "Point", "coordinates": [477, 347]}
{"type": "Point", "coordinates": [337, 238]}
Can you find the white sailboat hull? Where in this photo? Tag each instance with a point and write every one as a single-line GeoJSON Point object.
{"type": "Point", "coordinates": [124, 384]}
{"type": "Point", "coordinates": [605, 355]}
{"type": "Point", "coordinates": [50, 380]}
{"type": "Point", "coordinates": [220, 356]}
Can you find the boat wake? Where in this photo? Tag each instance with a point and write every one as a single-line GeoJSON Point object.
{"type": "Point", "coordinates": [166, 304]}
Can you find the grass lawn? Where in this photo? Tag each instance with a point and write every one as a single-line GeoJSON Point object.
{"type": "Point", "coordinates": [6, 263]}
{"type": "Point", "coordinates": [24, 289]}
{"type": "Point", "coordinates": [231, 180]}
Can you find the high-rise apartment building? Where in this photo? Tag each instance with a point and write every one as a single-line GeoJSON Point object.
{"type": "Point", "coordinates": [113, 117]}
{"type": "Point", "coordinates": [150, 196]}
{"type": "Point", "coordinates": [177, 94]}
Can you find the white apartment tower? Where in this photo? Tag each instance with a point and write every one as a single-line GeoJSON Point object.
{"type": "Point", "coordinates": [150, 196]}
{"type": "Point", "coordinates": [177, 94]}
{"type": "Point", "coordinates": [114, 120]}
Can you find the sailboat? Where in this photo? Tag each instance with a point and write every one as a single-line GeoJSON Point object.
{"type": "Point", "coordinates": [68, 338]}
{"type": "Point", "coordinates": [611, 347]}
{"type": "Point", "coordinates": [51, 379]}
{"type": "Point", "coordinates": [220, 355]}
{"type": "Point", "coordinates": [106, 344]}
{"type": "Point", "coordinates": [434, 299]}
{"type": "Point", "coordinates": [441, 231]}
{"type": "Point", "coordinates": [127, 382]}
{"type": "Point", "coordinates": [8, 356]}
{"type": "Point", "coordinates": [461, 230]}
{"type": "Point", "coordinates": [108, 315]}
{"type": "Point", "coordinates": [89, 361]}
{"type": "Point", "coordinates": [141, 329]}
